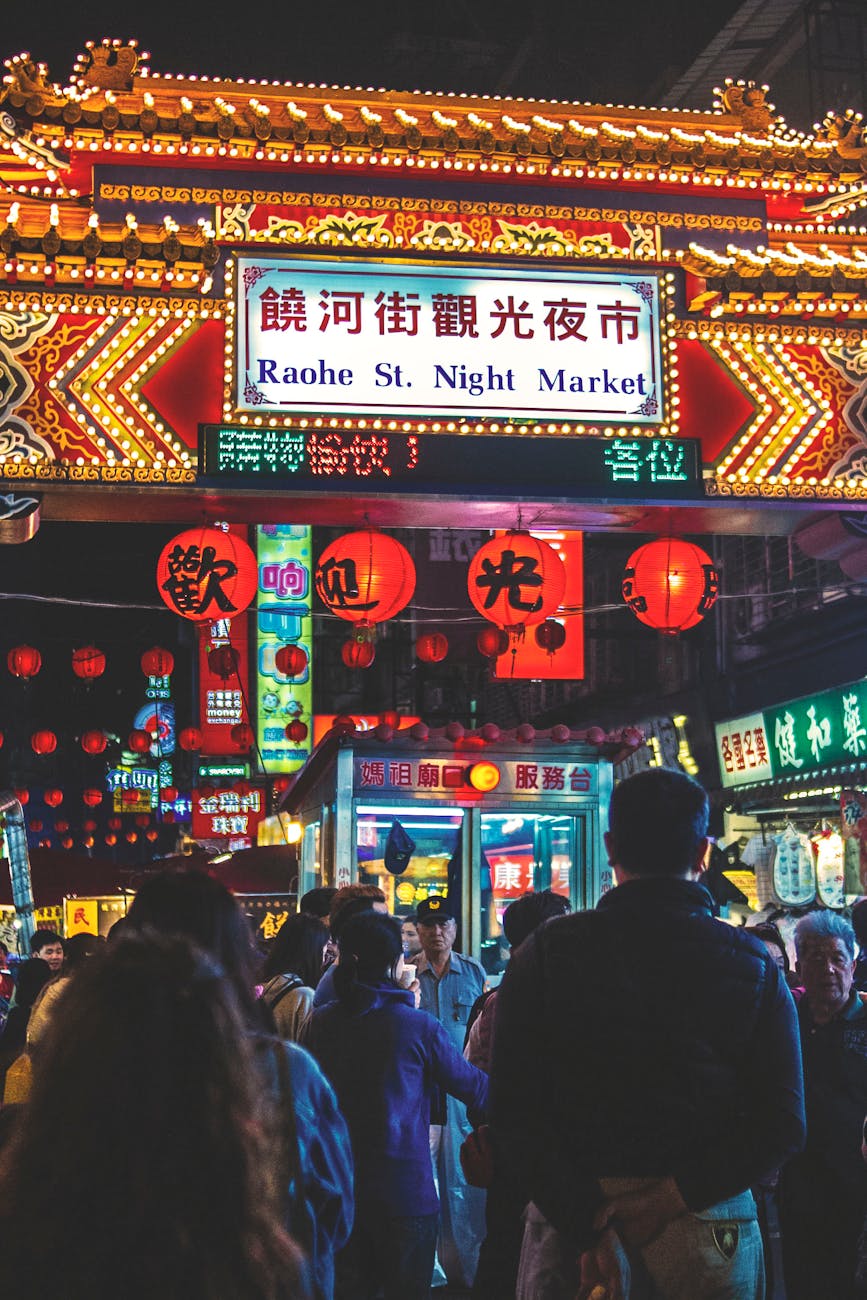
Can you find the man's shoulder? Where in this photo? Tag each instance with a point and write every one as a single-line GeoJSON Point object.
{"type": "Point", "coordinates": [468, 965]}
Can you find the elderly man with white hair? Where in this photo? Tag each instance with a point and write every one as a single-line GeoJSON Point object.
{"type": "Point", "coordinates": [823, 1191]}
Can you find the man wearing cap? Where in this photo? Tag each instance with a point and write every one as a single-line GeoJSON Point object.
{"type": "Point", "coordinates": [450, 984]}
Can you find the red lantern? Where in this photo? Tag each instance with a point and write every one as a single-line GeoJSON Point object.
{"type": "Point", "coordinates": [190, 739]}
{"type": "Point", "coordinates": [54, 798]}
{"type": "Point", "coordinates": [23, 797]}
{"type": "Point", "coordinates": [296, 731]}
{"type": "Point", "coordinates": [92, 797]}
{"type": "Point", "coordinates": [391, 718]}
{"type": "Point", "coordinates": [88, 841]}
{"type": "Point", "coordinates": [365, 577]}
{"type": "Point", "coordinates": [152, 834]}
{"type": "Point", "coordinates": [432, 647]}
{"type": "Point", "coordinates": [492, 641]}
{"type": "Point", "coordinates": [205, 574]}
{"type": "Point", "coordinates": [670, 584]}
{"type": "Point", "coordinates": [223, 661]}
{"type": "Point", "coordinates": [168, 817]}
{"type": "Point", "coordinates": [290, 660]}
{"type": "Point", "coordinates": [94, 742]}
{"type": "Point", "coordinates": [43, 742]}
{"type": "Point", "coordinates": [67, 842]}
{"type": "Point", "coordinates": [142, 819]}
{"type": "Point", "coordinates": [35, 826]}
{"type": "Point", "coordinates": [89, 825]}
{"type": "Point", "coordinates": [550, 636]}
{"type": "Point", "coordinates": [131, 837]}
{"type": "Point", "coordinates": [140, 741]}
{"type": "Point", "coordinates": [1, 739]}
{"type": "Point", "coordinates": [88, 662]}
{"type": "Point", "coordinates": [242, 735]}
{"type": "Point", "coordinates": [61, 826]}
{"type": "Point", "coordinates": [358, 654]}
{"type": "Point", "coordinates": [345, 722]}
{"type": "Point", "coordinates": [157, 662]}
{"type": "Point", "coordinates": [168, 794]}
{"type": "Point", "coordinates": [111, 840]}
{"type": "Point", "coordinates": [516, 580]}
{"type": "Point", "coordinates": [115, 823]}
{"type": "Point", "coordinates": [280, 784]}
{"type": "Point", "coordinates": [24, 661]}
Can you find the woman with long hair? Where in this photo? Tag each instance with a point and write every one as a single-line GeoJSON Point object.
{"type": "Point", "coordinates": [319, 1198]}
{"type": "Point", "coordinates": [387, 1062]}
{"type": "Point", "coordinates": [145, 1162]}
{"type": "Point", "coordinates": [293, 968]}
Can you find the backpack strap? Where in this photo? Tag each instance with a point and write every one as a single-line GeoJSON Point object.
{"type": "Point", "coordinates": [273, 1001]}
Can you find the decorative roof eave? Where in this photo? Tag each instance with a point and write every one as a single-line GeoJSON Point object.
{"type": "Point", "coordinates": [115, 105]}
{"type": "Point", "coordinates": [821, 285]}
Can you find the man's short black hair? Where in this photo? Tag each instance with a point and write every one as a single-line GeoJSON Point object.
{"type": "Point", "coordinates": [41, 939]}
{"type": "Point", "coordinates": [656, 820]}
{"type": "Point", "coordinates": [523, 916]}
{"type": "Point", "coordinates": [317, 902]}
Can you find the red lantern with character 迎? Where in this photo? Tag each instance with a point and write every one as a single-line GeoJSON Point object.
{"type": "Point", "coordinates": [365, 577]}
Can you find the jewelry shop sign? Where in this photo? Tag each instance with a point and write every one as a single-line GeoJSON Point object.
{"type": "Point", "coordinates": [376, 338]}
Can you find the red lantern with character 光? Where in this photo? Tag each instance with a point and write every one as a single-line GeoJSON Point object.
{"type": "Point", "coordinates": [516, 580]}
{"type": "Point", "coordinates": [365, 577]}
{"type": "Point", "coordinates": [670, 584]}
{"type": "Point", "coordinates": [206, 574]}
{"type": "Point", "coordinates": [88, 663]}
{"type": "Point", "coordinates": [24, 661]}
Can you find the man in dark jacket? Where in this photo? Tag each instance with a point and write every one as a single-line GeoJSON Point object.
{"type": "Point", "coordinates": [646, 1071]}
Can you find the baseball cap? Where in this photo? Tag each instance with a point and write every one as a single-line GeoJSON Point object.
{"type": "Point", "coordinates": [435, 908]}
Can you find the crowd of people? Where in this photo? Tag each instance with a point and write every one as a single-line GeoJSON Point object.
{"type": "Point", "coordinates": [647, 1107]}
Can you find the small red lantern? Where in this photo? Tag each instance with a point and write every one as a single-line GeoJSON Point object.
{"type": "Point", "coordinates": [131, 837]}
{"type": "Point", "coordinates": [280, 784]}
{"type": "Point", "coordinates": [550, 636]}
{"type": "Point", "coordinates": [358, 654]}
{"type": "Point", "coordinates": [36, 826]}
{"type": "Point", "coordinates": [88, 841]}
{"type": "Point", "coordinates": [190, 739]}
{"type": "Point", "coordinates": [157, 662]}
{"type": "Point", "coordinates": [365, 577]}
{"type": "Point", "coordinates": [168, 794]}
{"type": "Point", "coordinates": [391, 718]}
{"type": "Point", "coordinates": [290, 660]}
{"type": "Point", "coordinates": [223, 661]}
{"type": "Point", "coordinates": [61, 826]}
{"type": "Point", "coordinates": [492, 641]}
{"type": "Point", "coordinates": [140, 741]}
{"type": "Point", "coordinates": [111, 840]}
{"type": "Point", "coordinates": [670, 584]}
{"type": "Point", "coordinates": [43, 742]}
{"type": "Point", "coordinates": [432, 647]}
{"type": "Point", "coordinates": [94, 742]}
{"type": "Point", "coordinates": [23, 797]}
{"type": "Point", "coordinates": [2, 738]}
{"type": "Point", "coordinates": [88, 825]}
{"type": "Point", "coordinates": [24, 661]}
{"type": "Point", "coordinates": [242, 735]}
{"type": "Point", "coordinates": [152, 834]}
{"type": "Point", "coordinates": [88, 662]}
{"type": "Point", "coordinates": [54, 798]}
{"type": "Point", "coordinates": [67, 842]}
{"type": "Point", "coordinates": [516, 580]}
{"type": "Point", "coordinates": [345, 722]}
{"type": "Point", "coordinates": [92, 797]}
{"type": "Point", "coordinates": [206, 574]}
{"type": "Point", "coordinates": [115, 823]}
{"type": "Point", "coordinates": [168, 817]}
{"type": "Point", "coordinates": [296, 731]}
{"type": "Point", "coordinates": [142, 819]}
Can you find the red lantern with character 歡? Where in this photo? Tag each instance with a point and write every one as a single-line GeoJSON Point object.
{"type": "Point", "coordinates": [670, 584]}
{"type": "Point", "coordinates": [365, 577]}
{"type": "Point", "coordinates": [206, 574]}
{"type": "Point", "coordinates": [516, 580]}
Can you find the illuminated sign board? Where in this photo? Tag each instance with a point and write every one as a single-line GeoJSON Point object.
{"type": "Point", "coordinates": [283, 617]}
{"type": "Point", "coordinates": [396, 774]}
{"type": "Point", "coordinates": [377, 338]}
{"type": "Point", "coordinates": [325, 458]}
{"type": "Point", "coordinates": [223, 813]}
{"type": "Point", "coordinates": [799, 737]}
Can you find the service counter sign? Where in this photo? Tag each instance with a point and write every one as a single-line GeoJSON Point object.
{"type": "Point", "coordinates": [450, 777]}
{"type": "Point", "coordinates": [799, 737]}
{"type": "Point", "coordinates": [375, 338]}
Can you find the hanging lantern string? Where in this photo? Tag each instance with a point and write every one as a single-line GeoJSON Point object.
{"type": "Point", "coordinates": [246, 702]}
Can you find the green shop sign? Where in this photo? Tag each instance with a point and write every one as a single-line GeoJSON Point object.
{"type": "Point", "coordinates": [801, 736]}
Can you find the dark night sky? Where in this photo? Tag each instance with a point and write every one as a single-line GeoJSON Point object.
{"type": "Point", "coordinates": [620, 52]}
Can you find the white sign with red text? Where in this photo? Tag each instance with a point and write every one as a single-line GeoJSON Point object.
{"type": "Point", "coordinates": [742, 750]}
{"type": "Point", "coordinates": [369, 337]}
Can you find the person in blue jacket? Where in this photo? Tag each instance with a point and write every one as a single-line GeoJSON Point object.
{"type": "Point", "coordinates": [387, 1061]}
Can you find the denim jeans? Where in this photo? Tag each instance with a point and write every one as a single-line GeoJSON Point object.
{"type": "Point", "coordinates": [387, 1256]}
{"type": "Point", "coordinates": [714, 1255]}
